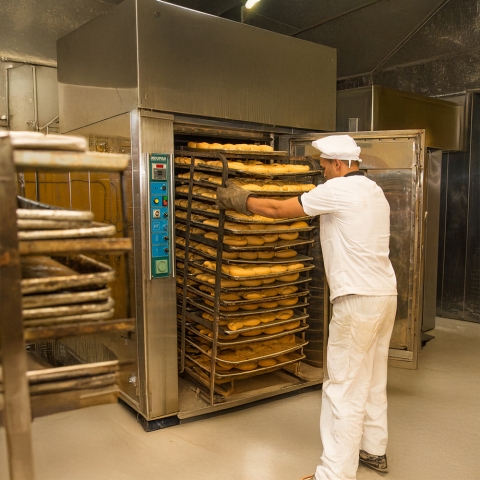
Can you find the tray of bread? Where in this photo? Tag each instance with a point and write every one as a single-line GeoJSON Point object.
{"type": "Point", "coordinates": [250, 300]}
{"type": "Point", "coordinates": [242, 354]}
{"type": "Point", "coordinates": [257, 257]}
{"type": "Point", "coordinates": [232, 251]}
{"type": "Point", "coordinates": [197, 207]}
{"type": "Point", "coordinates": [256, 234]}
{"type": "Point", "coordinates": [198, 192]}
{"type": "Point", "coordinates": [249, 326]}
{"type": "Point", "coordinates": [247, 369]}
{"type": "Point", "coordinates": [262, 307]}
{"type": "Point", "coordinates": [232, 147]}
{"type": "Point", "coordinates": [205, 277]}
{"type": "Point", "coordinates": [227, 375]}
{"type": "Point", "coordinates": [293, 166]}
{"type": "Point", "coordinates": [247, 272]}
{"type": "Point", "coordinates": [278, 328]}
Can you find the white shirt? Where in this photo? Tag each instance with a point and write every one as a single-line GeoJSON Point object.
{"type": "Point", "coordinates": [354, 234]}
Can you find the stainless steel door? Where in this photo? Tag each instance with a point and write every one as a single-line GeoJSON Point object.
{"type": "Point", "coordinates": [395, 160]}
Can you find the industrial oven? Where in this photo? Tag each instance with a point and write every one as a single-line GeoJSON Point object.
{"type": "Point", "coordinates": [149, 78]}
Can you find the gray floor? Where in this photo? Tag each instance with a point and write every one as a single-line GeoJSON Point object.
{"type": "Point", "coordinates": [434, 417]}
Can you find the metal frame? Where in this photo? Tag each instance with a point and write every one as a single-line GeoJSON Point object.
{"type": "Point", "coordinates": [17, 410]}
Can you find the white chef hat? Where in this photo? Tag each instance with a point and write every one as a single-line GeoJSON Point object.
{"type": "Point", "coordinates": [340, 147]}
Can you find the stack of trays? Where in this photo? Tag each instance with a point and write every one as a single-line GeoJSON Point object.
{"type": "Point", "coordinates": [43, 224]}
{"type": "Point", "coordinates": [61, 290]}
{"type": "Point", "coordinates": [263, 295]}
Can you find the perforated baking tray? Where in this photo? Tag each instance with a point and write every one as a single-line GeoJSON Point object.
{"type": "Point", "coordinates": [234, 231]}
{"type": "Point", "coordinates": [252, 373]}
{"type": "Point", "coordinates": [224, 330]}
{"type": "Point", "coordinates": [231, 316]}
{"type": "Point", "coordinates": [196, 264]}
{"type": "Point", "coordinates": [259, 261]}
{"type": "Point", "coordinates": [232, 303]}
{"type": "Point", "coordinates": [287, 348]}
{"type": "Point", "coordinates": [244, 288]}
{"type": "Point", "coordinates": [278, 245]}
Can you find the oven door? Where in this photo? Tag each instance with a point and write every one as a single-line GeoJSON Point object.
{"type": "Point", "coordinates": [395, 160]}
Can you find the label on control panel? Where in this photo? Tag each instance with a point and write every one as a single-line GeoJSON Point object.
{"type": "Point", "coordinates": [160, 228]}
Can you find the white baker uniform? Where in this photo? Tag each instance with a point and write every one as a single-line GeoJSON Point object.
{"type": "Point", "coordinates": [354, 234]}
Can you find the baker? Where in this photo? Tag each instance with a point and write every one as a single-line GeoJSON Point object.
{"type": "Point", "coordinates": [354, 233]}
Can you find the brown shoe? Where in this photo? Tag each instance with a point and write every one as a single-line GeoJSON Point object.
{"type": "Point", "coordinates": [309, 477]}
{"type": "Point", "coordinates": [376, 462]}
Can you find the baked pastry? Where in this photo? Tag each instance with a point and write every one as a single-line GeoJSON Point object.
{"type": "Point", "coordinates": [288, 253]}
{"type": "Point", "coordinates": [267, 362]}
{"type": "Point", "coordinates": [274, 329]}
{"type": "Point", "coordinates": [248, 255]}
{"type": "Point", "coordinates": [289, 278]}
{"type": "Point", "coordinates": [288, 302]}
{"type": "Point", "coordinates": [284, 314]}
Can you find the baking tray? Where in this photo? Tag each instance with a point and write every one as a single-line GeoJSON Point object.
{"type": "Point", "coordinates": [246, 173]}
{"type": "Point", "coordinates": [232, 303]}
{"type": "Point", "coordinates": [278, 245]}
{"type": "Point", "coordinates": [297, 258]}
{"type": "Point", "coordinates": [195, 197]}
{"type": "Point", "coordinates": [241, 375]}
{"type": "Point", "coordinates": [67, 310]}
{"type": "Point", "coordinates": [27, 224]}
{"type": "Point", "coordinates": [296, 346]}
{"type": "Point", "coordinates": [89, 273]}
{"type": "Point", "coordinates": [70, 319]}
{"type": "Point", "coordinates": [243, 288]}
{"type": "Point", "coordinates": [53, 299]}
{"type": "Point", "coordinates": [195, 317]}
{"type": "Point", "coordinates": [199, 303]}
{"type": "Point", "coordinates": [42, 213]}
{"type": "Point", "coordinates": [255, 277]}
{"type": "Point", "coordinates": [229, 230]}
{"type": "Point", "coordinates": [213, 153]}
{"type": "Point", "coordinates": [96, 230]}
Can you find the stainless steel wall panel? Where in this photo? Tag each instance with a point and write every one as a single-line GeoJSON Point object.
{"type": "Point", "coordinates": [459, 253]}
{"type": "Point", "coordinates": [434, 175]}
{"type": "Point", "coordinates": [395, 110]}
{"type": "Point", "coordinates": [441, 120]}
{"type": "Point", "coordinates": [97, 69]}
{"type": "Point", "coordinates": [354, 103]}
{"type": "Point", "coordinates": [198, 64]}
{"type": "Point", "coordinates": [472, 266]}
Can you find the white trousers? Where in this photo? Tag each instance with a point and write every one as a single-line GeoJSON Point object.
{"type": "Point", "coordinates": [354, 398]}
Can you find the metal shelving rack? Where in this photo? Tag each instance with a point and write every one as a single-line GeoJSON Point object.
{"type": "Point", "coordinates": [28, 394]}
{"type": "Point", "coordinates": [218, 385]}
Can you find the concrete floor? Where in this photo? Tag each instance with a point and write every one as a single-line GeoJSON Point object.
{"type": "Point", "coordinates": [434, 415]}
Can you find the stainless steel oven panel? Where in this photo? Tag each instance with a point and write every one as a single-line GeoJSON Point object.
{"type": "Point", "coordinates": [155, 55]}
{"type": "Point", "coordinates": [395, 160]}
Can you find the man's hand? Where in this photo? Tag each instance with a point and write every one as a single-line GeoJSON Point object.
{"type": "Point", "coordinates": [233, 198]}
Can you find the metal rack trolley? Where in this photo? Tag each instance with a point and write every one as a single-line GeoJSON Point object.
{"type": "Point", "coordinates": [23, 394]}
{"type": "Point", "coordinates": [206, 373]}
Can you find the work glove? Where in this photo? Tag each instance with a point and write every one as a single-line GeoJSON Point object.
{"type": "Point", "coordinates": [233, 198]}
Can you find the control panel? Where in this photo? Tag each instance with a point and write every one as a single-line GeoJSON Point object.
{"type": "Point", "coordinates": [160, 215]}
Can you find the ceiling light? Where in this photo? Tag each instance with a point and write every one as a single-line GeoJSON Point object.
{"type": "Point", "coordinates": [251, 3]}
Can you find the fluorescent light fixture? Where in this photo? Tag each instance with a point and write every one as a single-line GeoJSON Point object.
{"type": "Point", "coordinates": [251, 3]}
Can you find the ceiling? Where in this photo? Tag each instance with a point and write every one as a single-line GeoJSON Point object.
{"type": "Point", "coordinates": [369, 35]}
